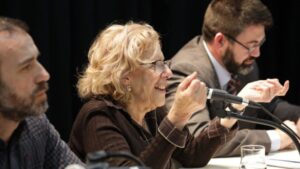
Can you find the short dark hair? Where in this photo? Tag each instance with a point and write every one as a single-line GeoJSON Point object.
{"type": "Point", "coordinates": [12, 25]}
{"type": "Point", "coordinates": [231, 17]}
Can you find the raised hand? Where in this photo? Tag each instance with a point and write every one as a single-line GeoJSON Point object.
{"type": "Point", "coordinates": [264, 90]}
{"type": "Point", "coordinates": [190, 97]}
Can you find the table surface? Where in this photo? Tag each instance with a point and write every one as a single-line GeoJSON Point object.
{"type": "Point", "coordinates": [278, 160]}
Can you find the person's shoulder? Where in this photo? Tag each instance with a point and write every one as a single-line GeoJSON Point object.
{"type": "Point", "coordinates": [35, 128]}
{"type": "Point", "coordinates": [93, 104]}
{"type": "Point", "coordinates": [192, 47]}
{"type": "Point", "coordinates": [36, 121]}
{"type": "Point", "coordinates": [192, 57]}
{"type": "Point", "coordinates": [98, 105]}
{"type": "Point", "coordinates": [191, 53]}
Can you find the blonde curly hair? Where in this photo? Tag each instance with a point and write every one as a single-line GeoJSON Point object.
{"type": "Point", "coordinates": [117, 50]}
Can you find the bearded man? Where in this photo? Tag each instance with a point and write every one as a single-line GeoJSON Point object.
{"type": "Point", "coordinates": [224, 58]}
{"type": "Point", "coordinates": [27, 139]}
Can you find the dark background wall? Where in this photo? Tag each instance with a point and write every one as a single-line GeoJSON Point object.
{"type": "Point", "coordinates": [64, 29]}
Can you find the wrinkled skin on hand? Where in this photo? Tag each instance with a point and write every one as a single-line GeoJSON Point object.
{"type": "Point", "coordinates": [264, 90]}
{"type": "Point", "coordinates": [190, 97]}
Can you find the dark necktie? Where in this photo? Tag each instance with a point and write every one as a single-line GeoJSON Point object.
{"type": "Point", "coordinates": [233, 85]}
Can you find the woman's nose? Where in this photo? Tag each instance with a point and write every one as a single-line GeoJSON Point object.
{"type": "Point", "coordinates": [167, 73]}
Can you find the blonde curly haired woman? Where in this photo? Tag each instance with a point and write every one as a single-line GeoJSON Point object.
{"type": "Point", "coordinates": [123, 85]}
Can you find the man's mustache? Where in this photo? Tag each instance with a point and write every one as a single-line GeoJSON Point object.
{"type": "Point", "coordinates": [250, 59]}
{"type": "Point", "coordinates": [42, 86]}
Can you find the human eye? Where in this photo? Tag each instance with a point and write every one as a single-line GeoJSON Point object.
{"type": "Point", "coordinates": [27, 67]}
{"type": "Point", "coordinates": [257, 43]}
{"type": "Point", "coordinates": [159, 63]}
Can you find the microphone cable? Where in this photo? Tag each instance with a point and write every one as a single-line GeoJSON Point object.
{"type": "Point", "coordinates": [265, 110]}
{"type": "Point", "coordinates": [267, 123]}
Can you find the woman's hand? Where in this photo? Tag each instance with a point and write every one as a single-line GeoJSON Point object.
{"type": "Point", "coordinates": [190, 97]}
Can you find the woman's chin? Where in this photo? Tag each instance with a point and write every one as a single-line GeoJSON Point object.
{"type": "Point", "coordinates": [161, 102]}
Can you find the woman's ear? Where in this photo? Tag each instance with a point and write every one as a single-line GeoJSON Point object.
{"type": "Point", "coordinates": [125, 79]}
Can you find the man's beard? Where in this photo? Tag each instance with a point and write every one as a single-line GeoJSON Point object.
{"type": "Point", "coordinates": [17, 108]}
{"type": "Point", "coordinates": [233, 67]}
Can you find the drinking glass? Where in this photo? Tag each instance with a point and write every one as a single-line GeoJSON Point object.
{"type": "Point", "coordinates": [253, 157]}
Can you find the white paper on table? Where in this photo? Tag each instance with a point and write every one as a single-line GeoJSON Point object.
{"type": "Point", "coordinates": [285, 159]}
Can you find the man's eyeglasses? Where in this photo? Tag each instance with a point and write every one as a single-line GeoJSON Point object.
{"type": "Point", "coordinates": [159, 65]}
{"type": "Point", "coordinates": [250, 49]}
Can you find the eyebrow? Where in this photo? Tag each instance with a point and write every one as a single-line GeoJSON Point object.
{"type": "Point", "coordinates": [257, 42]}
{"type": "Point", "coordinates": [28, 60]}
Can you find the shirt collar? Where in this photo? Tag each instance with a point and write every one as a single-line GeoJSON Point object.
{"type": "Point", "coordinates": [223, 75]}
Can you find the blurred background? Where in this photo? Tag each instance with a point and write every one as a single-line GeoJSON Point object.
{"type": "Point", "coordinates": [63, 30]}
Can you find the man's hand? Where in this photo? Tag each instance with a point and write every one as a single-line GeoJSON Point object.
{"type": "Point", "coordinates": [285, 141]}
{"type": "Point", "coordinates": [298, 125]}
{"type": "Point", "coordinates": [264, 90]}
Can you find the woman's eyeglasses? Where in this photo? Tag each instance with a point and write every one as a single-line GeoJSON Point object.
{"type": "Point", "coordinates": [159, 65]}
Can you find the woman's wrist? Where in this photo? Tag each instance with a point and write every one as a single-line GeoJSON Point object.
{"type": "Point", "coordinates": [176, 120]}
{"type": "Point", "coordinates": [178, 124]}
{"type": "Point", "coordinates": [227, 122]}
{"type": "Point", "coordinates": [237, 108]}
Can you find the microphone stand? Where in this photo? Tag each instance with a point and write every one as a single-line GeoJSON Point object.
{"type": "Point", "coordinates": [266, 123]}
{"type": "Point", "coordinates": [275, 118]}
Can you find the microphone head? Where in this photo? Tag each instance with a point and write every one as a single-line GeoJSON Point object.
{"type": "Point", "coordinates": [215, 93]}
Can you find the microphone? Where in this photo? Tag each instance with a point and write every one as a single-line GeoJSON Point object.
{"type": "Point", "coordinates": [216, 94]}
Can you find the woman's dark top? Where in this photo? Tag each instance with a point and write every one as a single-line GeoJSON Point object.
{"type": "Point", "coordinates": [102, 124]}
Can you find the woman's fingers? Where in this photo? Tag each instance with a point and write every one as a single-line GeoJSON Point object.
{"type": "Point", "coordinates": [186, 82]}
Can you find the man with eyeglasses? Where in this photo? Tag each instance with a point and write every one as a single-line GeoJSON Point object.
{"type": "Point", "coordinates": [232, 34]}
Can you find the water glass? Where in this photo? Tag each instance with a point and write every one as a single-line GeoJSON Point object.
{"type": "Point", "coordinates": [253, 157]}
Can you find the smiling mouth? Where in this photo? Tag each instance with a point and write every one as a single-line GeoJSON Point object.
{"type": "Point", "coordinates": [160, 88]}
